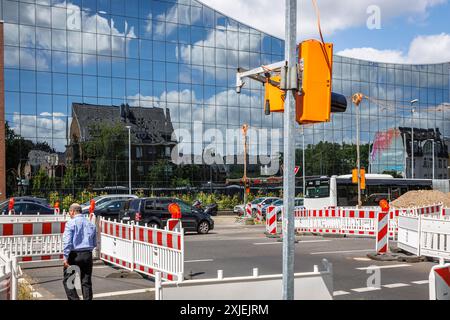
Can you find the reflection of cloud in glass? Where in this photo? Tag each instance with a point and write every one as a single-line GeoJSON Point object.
{"type": "Point", "coordinates": [109, 40]}
{"type": "Point", "coordinates": [48, 127]}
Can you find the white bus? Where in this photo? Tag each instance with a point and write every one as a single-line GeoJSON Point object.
{"type": "Point", "coordinates": [339, 191]}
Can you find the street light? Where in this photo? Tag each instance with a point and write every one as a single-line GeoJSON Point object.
{"type": "Point", "coordinates": [129, 159]}
{"type": "Point", "coordinates": [432, 148]}
{"type": "Point", "coordinates": [412, 135]}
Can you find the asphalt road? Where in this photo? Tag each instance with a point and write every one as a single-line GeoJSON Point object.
{"type": "Point", "coordinates": [237, 249]}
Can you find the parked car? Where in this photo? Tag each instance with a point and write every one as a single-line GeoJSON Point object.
{"type": "Point", "coordinates": [298, 202]}
{"type": "Point", "coordinates": [109, 209]}
{"type": "Point", "coordinates": [102, 199]}
{"type": "Point", "coordinates": [239, 209]}
{"type": "Point", "coordinates": [263, 202]}
{"type": "Point", "coordinates": [27, 208]}
{"type": "Point", "coordinates": [154, 212]}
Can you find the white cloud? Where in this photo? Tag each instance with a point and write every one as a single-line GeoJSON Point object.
{"type": "Point", "coordinates": [423, 49]}
{"type": "Point", "coordinates": [46, 126]}
{"type": "Point", "coordinates": [268, 16]}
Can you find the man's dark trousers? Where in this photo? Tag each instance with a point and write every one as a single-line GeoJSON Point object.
{"type": "Point", "coordinates": [82, 260]}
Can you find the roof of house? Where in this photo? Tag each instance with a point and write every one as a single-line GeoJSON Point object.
{"type": "Point", "coordinates": [149, 126]}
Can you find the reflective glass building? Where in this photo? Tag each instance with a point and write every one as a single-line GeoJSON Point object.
{"type": "Point", "coordinates": [179, 57]}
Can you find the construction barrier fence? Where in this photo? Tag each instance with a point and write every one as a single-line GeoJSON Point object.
{"type": "Point", "coordinates": [143, 249]}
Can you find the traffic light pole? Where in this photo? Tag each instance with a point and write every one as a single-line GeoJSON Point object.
{"type": "Point", "coordinates": [289, 156]}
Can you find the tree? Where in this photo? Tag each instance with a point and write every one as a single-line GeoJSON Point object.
{"type": "Point", "coordinates": [106, 140]}
{"type": "Point", "coordinates": [17, 150]}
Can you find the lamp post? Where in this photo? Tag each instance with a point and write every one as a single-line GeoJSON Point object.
{"type": "Point", "coordinates": [432, 151]}
{"type": "Point", "coordinates": [129, 159]}
{"type": "Point", "coordinates": [413, 110]}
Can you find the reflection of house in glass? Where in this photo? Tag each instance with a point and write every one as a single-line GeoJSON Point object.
{"type": "Point", "coordinates": [93, 126]}
{"type": "Point", "coordinates": [391, 152]}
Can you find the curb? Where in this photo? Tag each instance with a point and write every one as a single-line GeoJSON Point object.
{"type": "Point", "coordinates": [395, 257]}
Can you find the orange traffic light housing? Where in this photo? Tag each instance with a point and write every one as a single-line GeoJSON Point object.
{"type": "Point", "coordinates": [363, 177]}
{"type": "Point", "coordinates": [314, 103]}
{"type": "Point", "coordinates": [274, 97]}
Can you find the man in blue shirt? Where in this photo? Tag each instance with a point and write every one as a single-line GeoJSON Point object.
{"type": "Point", "coordinates": [80, 238]}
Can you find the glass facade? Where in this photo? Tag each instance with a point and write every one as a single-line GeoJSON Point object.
{"type": "Point", "coordinates": [179, 56]}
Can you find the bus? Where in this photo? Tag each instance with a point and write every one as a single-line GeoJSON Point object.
{"type": "Point", "coordinates": [340, 191]}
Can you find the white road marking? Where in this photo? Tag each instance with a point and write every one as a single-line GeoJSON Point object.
{"type": "Point", "coordinates": [366, 289]}
{"type": "Point", "coordinates": [203, 260]}
{"type": "Point", "coordinates": [396, 285]}
{"type": "Point", "coordinates": [122, 293]}
{"type": "Point", "coordinates": [348, 251]}
{"type": "Point", "coordinates": [101, 267]}
{"type": "Point", "coordinates": [307, 241]}
{"type": "Point", "coordinates": [340, 293]}
{"type": "Point", "coordinates": [420, 282]}
{"type": "Point", "coordinates": [387, 267]}
{"type": "Point", "coordinates": [362, 259]}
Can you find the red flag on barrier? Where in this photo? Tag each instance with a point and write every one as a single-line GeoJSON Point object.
{"type": "Point", "coordinates": [11, 204]}
{"type": "Point", "coordinates": [174, 210]}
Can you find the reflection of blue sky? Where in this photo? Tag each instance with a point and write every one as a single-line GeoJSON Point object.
{"type": "Point", "coordinates": [170, 55]}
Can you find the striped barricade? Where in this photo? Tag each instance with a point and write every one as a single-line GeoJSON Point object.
{"type": "Point", "coordinates": [143, 249]}
{"type": "Point", "coordinates": [33, 241]}
{"type": "Point", "coordinates": [358, 222]}
{"type": "Point", "coordinates": [117, 243]}
{"type": "Point", "coordinates": [157, 250]}
{"type": "Point", "coordinates": [259, 216]}
{"type": "Point", "coordinates": [302, 221]}
{"type": "Point", "coordinates": [8, 275]}
{"type": "Point", "coordinates": [430, 210]}
{"type": "Point", "coordinates": [326, 221]}
{"type": "Point", "coordinates": [248, 210]}
{"type": "Point", "coordinates": [271, 221]}
{"type": "Point", "coordinates": [446, 212]}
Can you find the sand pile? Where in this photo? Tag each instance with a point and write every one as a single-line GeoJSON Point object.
{"type": "Point", "coordinates": [421, 198]}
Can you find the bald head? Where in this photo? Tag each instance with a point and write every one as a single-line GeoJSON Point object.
{"type": "Point", "coordinates": [75, 209]}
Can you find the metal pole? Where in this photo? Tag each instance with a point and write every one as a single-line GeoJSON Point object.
{"type": "Point", "coordinates": [412, 136]}
{"type": "Point", "coordinates": [412, 143]}
{"type": "Point", "coordinates": [289, 157]}
{"type": "Point", "coordinates": [244, 131]}
{"type": "Point", "coordinates": [303, 162]}
{"type": "Point", "coordinates": [358, 156]}
{"type": "Point", "coordinates": [129, 160]}
{"type": "Point", "coordinates": [433, 159]}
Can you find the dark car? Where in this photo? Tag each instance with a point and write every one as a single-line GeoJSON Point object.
{"type": "Point", "coordinates": [27, 208]}
{"type": "Point", "coordinates": [109, 209]}
{"type": "Point", "coordinates": [154, 212]}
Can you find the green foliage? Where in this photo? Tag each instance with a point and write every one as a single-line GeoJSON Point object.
{"type": "Point", "coordinates": [106, 140]}
{"type": "Point", "coordinates": [86, 196]}
{"type": "Point", "coordinates": [42, 182]}
{"type": "Point", "coordinates": [326, 158]}
{"type": "Point", "coordinates": [53, 197]}
{"type": "Point", "coordinates": [67, 201]}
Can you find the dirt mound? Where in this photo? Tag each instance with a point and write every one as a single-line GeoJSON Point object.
{"type": "Point", "coordinates": [421, 198]}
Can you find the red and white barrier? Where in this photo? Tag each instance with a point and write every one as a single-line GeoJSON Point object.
{"type": "Point", "coordinates": [143, 249]}
{"type": "Point", "coordinates": [248, 210]}
{"type": "Point", "coordinates": [439, 280]}
{"type": "Point", "coordinates": [174, 225]}
{"type": "Point", "coordinates": [358, 222]}
{"type": "Point", "coordinates": [271, 221]}
{"type": "Point", "coordinates": [325, 221]}
{"type": "Point", "coordinates": [8, 275]}
{"type": "Point", "coordinates": [430, 210]}
{"type": "Point", "coordinates": [259, 216]}
{"type": "Point", "coordinates": [33, 241]}
{"type": "Point", "coordinates": [382, 233]}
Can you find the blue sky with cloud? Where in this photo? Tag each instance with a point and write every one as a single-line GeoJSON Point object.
{"type": "Point", "coordinates": [412, 31]}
